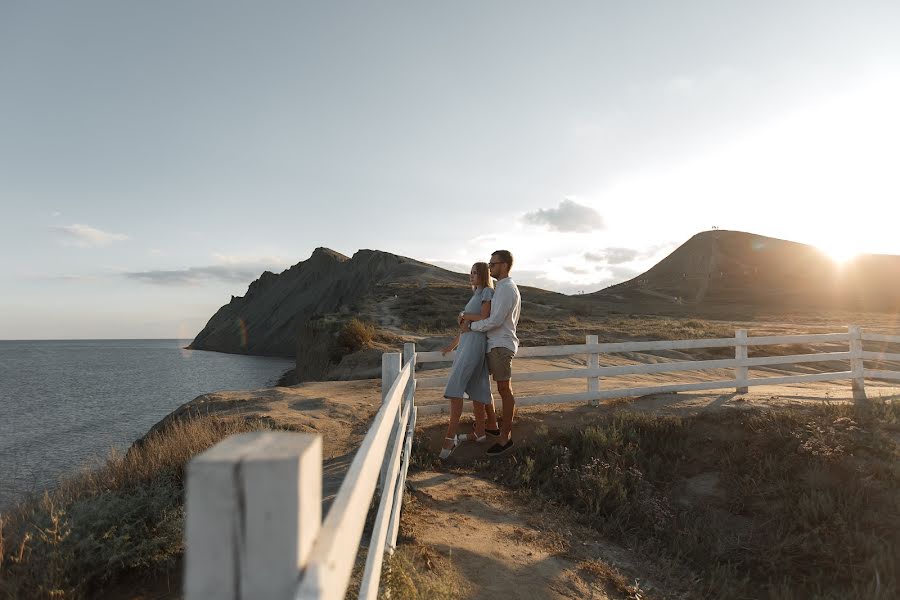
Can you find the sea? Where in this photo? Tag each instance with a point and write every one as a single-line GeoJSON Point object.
{"type": "Point", "coordinates": [66, 404]}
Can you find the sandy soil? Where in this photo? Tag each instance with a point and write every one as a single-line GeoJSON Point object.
{"type": "Point", "coordinates": [504, 548]}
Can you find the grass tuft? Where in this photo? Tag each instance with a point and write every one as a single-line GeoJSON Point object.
{"type": "Point", "coordinates": [414, 573]}
{"type": "Point", "coordinates": [793, 503]}
{"type": "Point", "coordinates": [356, 335]}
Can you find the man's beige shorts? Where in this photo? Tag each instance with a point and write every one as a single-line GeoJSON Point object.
{"type": "Point", "coordinates": [499, 362]}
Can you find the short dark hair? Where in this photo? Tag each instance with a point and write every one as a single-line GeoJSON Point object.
{"type": "Point", "coordinates": [505, 256]}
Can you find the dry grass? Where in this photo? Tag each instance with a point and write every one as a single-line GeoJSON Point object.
{"type": "Point", "coordinates": [356, 335]}
{"type": "Point", "coordinates": [98, 526]}
{"type": "Point", "coordinates": [738, 504]}
{"type": "Point", "coordinates": [417, 573]}
{"type": "Point", "coordinates": [600, 571]}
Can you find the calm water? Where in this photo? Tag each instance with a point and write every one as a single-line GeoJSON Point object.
{"type": "Point", "coordinates": [65, 403]}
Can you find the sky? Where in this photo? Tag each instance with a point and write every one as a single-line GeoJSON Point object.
{"type": "Point", "coordinates": [156, 157]}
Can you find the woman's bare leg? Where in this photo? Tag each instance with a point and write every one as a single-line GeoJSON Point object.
{"type": "Point", "coordinates": [456, 406]}
{"type": "Point", "coordinates": [480, 417]}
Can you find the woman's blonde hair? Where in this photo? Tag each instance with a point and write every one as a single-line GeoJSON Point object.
{"type": "Point", "coordinates": [482, 275]}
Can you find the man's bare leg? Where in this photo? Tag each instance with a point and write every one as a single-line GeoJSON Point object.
{"type": "Point", "coordinates": [509, 410]}
{"type": "Point", "coordinates": [491, 416]}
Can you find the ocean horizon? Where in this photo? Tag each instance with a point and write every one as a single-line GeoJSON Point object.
{"type": "Point", "coordinates": [65, 404]}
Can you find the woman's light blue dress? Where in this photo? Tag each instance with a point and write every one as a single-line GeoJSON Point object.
{"type": "Point", "coordinates": [470, 373]}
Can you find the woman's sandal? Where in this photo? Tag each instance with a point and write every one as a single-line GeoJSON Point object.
{"type": "Point", "coordinates": [446, 452]}
{"type": "Point", "coordinates": [472, 437]}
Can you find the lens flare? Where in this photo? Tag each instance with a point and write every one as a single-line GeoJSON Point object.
{"type": "Point", "coordinates": [242, 331]}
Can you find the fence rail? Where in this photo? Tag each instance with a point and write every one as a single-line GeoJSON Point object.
{"type": "Point", "coordinates": [741, 363]}
{"type": "Point", "coordinates": [254, 504]}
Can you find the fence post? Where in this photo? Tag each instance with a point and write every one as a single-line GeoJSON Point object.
{"type": "Point", "coordinates": [740, 353]}
{"type": "Point", "coordinates": [390, 371]}
{"type": "Point", "coordinates": [857, 365]}
{"type": "Point", "coordinates": [253, 511]}
{"type": "Point", "coordinates": [409, 356]}
{"type": "Point", "coordinates": [593, 362]}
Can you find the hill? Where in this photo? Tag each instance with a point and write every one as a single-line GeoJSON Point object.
{"type": "Point", "coordinates": [267, 319]}
{"type": "Point", "coordinates": [720, 268]}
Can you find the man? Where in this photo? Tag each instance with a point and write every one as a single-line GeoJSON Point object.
{"type": "Point", "coordinates": [502, 342]}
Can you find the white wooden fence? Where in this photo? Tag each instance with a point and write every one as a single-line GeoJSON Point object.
{"type": "Point", "coordinates": [741, 364]}
{"type": "Point", "coordinates": [254, 523]}
{"type": "Point", "coordinates": [254, 527]}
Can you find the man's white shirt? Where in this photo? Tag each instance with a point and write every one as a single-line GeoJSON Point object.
{"type": "Point", "coordinates": [500, 326]}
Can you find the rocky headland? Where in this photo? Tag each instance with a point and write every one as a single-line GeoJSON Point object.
{"type": "Point", "coordinates": [335, 315]}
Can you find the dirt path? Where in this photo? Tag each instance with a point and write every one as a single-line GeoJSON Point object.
{"type": "Point", "coordinates": [501, 548]}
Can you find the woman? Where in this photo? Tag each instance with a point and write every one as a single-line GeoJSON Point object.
{"type": "Point", "coordinates": [470, 373]}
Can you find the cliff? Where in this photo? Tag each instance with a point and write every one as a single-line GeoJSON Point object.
{"type": "Point", "coordinates": [276, 308]}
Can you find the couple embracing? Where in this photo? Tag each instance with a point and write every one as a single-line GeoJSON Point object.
{"type": "Point", "coordinates": [486, 344]}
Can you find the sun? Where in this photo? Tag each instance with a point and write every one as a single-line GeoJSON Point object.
{"type": "Point", "coordinates": [838, 251]}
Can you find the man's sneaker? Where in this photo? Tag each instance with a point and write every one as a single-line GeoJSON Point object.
{"type": "Point", "coordinates": [493, 432]}
{"type": "Point", "coordinates": [498, 449]}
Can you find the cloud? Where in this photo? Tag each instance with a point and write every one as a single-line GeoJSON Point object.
{"type": "Point", "coordinates": [194, 276]}
{"type": "Point", "coordinates": [621, 274]}
{"type": "Point", "coordinates": [568, 216]}
{"type": "Point", "coordinates": [620, 255]}
{"type": "Point", "coordinates": [233, 269]}
{"type": "Point", "coordinates": [576, 270]}
{"type": "Point", "coordinates": [483, 239]}
{"type": "Point", "coordinates": [534, 278]}
{"type": "Point", "coordinates": [84, 236]}
{"type": "Point", "coordinates": [580, 287]}
{"type": "Point", "coordinates": [450, 265]}
{"type": "Point", "coordinates": [266, 262]}
{"type": "Point", "coordinates": [613, 256]}
{"type": "Point", "coordinates": [77, 278]}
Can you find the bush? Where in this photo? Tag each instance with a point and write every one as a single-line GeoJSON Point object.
{"type": "Point", "coordinates": [356, 335]}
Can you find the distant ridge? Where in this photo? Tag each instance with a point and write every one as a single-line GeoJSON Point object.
{"type": "Point", "coordinates": [720, 268]}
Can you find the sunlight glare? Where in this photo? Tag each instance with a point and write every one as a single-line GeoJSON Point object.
{"type": "Point", "coordinates": [797, 177]}
{"type": "Point", "coordinates": [839, 251]}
